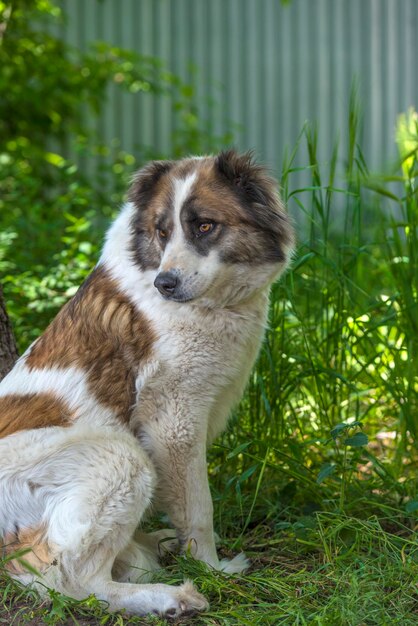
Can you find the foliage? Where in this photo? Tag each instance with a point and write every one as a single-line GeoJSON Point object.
{"type": "Point", "coordinates": [407, 140]}
{"type": "Point", "coordinates": [342, 344]}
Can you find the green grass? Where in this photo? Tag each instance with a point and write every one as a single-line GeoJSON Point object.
{"type": "Point", "coordinates": [323, 569]}
{"type": "Point", "coordinates": [315, 478]}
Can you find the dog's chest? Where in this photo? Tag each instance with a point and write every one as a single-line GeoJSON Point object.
{"type": "Point", "coordinates": [197, 361]}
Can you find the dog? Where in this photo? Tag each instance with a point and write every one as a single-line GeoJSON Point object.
{"type": "Point", "coordinates": [114, 406]}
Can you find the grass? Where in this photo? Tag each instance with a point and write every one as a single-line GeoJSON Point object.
{"type": "Point", "coordinates": [327, 569]}
{"type": "Point", "coordinates": [315, 478]}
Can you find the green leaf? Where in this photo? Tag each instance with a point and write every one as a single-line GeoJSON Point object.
{"type": "Point", "coordinates": [55, 159]}
{"type": "Point", "coordinates": [357, 440]}
{"type": "Point", "coordinates": [248, 472]}
{"type": "Point", "coordinates": [238, 450]}
{"type": "Point", "coordinates": [339, 429]}
{"type": "Point", "coordinates": [302, 260]}
{"type": "Point", "coordinates": [283, 525]}
{"type": "Point", "coordinates": [411, 506]}
{"type": "Point", "coordinates": [326, 470]}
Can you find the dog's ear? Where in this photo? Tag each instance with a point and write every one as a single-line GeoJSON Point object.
{"type": "Point", "coordinates": [145, 180]}
{"type": "Point", "coordinates": [250, 180]}
{"type": "Point", "coordinates": [256, 189]}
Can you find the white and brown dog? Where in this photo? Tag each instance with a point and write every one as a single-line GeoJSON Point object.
{"type": "Point", "coordinates": [113, 407]}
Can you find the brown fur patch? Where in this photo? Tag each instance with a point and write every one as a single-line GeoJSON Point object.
{"type": "Point", "coordinates": [152, 195]}
{"type": "Point", "coordinates": [39, 554]}
{"type": "Point", "coordinates": [101, 332]}
{"type": "Point", "coordinates": [21, 412]}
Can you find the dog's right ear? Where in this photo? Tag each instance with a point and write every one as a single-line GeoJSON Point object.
{"type": "Point", "coordinates": [145, 180]}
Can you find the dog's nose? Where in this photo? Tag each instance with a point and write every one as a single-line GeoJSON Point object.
{"type": "Point", "coordinates": [166, 282]}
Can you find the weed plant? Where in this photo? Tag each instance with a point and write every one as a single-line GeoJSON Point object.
{"type": "Point", "coordinates": [316, 476]}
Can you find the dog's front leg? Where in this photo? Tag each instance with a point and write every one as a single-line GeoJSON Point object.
{"type": "Point", "coordinates": [183, 493]}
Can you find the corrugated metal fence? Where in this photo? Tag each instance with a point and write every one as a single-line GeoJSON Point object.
{"type": "Point", "coordinates": [266, 66]}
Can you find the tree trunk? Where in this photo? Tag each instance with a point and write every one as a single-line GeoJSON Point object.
{"type": "Point", "coordinates": [8, 349]}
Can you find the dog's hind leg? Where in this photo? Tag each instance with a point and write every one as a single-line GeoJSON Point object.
{"type": "Point", "coordinates": [142, 554]}
{"type": "Point", "coordinates": [135, 563]}
{"type": "Point", "coordinates": [87, 491]}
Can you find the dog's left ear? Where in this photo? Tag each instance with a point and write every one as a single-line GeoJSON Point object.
{"type": "Point", "coordinates": [145, 180]}
{"type": "Point", "coordinates": [248, 178]}
{"type": "Point", "coordinates": [257, 191]}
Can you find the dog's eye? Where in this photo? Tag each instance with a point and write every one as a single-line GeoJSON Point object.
{"type": "Point", "coordinates": [162, 233]}
{"type": "Point", "coordinates": [206, 227]}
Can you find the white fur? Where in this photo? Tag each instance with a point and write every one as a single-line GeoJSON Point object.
{"type": "Point", "coordinates": [182, 188]}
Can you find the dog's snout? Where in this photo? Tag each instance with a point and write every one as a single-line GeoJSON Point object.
{"type": "Point", "coordinates": [166, 282]}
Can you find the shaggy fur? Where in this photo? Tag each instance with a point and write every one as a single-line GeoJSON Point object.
{"type": "Point", "coordinates": [115, 404]}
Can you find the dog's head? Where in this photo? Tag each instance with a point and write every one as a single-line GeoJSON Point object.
{"type": "Point", "coordinates": [210, 228]}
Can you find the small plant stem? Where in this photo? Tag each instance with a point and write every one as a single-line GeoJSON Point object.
{"type": "Point", "coordinates": [342, 492]}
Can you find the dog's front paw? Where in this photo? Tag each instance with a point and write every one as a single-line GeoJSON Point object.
{"type": "Point", "coordinates": [187, 600]}
{"type": "Point", "coordinates": [236, 565]}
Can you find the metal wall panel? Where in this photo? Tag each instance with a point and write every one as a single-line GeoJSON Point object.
{"type": "Point", "coordinates": [265, 67]}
